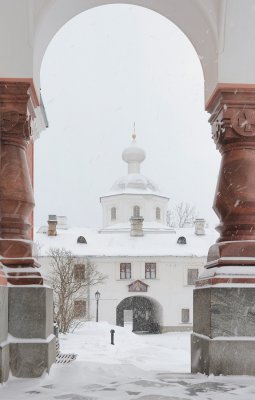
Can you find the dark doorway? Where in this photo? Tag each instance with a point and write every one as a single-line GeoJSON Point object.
{"type": "Point", "coordinates": [144, 311]}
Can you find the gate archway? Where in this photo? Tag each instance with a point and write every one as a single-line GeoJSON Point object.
{"type": "Point", "coordinates": [146, 313]}
{"type": "Point", "coordinates": [215, 29]}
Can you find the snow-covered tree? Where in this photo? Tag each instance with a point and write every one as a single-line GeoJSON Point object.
{"type": "Point", "coordinates": [70, 277]}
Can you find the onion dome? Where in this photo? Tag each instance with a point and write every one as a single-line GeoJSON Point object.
{"type": "Point", "coordinates": [133, 156]}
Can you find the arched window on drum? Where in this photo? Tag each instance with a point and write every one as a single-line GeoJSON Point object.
{"type": "Point", "coordinates": [113, 213]}
{"type": "Point", "coordinates": [158, 213]}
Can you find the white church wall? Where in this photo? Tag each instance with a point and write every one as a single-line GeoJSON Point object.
{"type": "Point", "coordinates": [170, 288]}
{"type": "Point", "coordinates": [124, 204]}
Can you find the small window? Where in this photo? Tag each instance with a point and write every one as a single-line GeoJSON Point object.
{"type": "Point", "coordinates": [113, 213]}
{"type": "Point", "coordinates": [185, 315]}
{"type": "Point", "coordinates": [79, 308]}
{"type": "Point", "coordinates": [157, 213]}
{"type": "Point", "coordinates": [150, 270]}
{"type": "Point", "coordinates": [182, 240]}
{"type": "Point", "coordinates": [192, 276]}
{"type": "Point", "coordinates": [125, 271]}
{"type": "Point", "coordinates": [81, 239]}
{"type": "Point", "coordinates": [79, 272]}
{"type": "Point", "coordinates": [136, 211]}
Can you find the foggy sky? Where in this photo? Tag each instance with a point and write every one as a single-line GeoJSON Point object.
{"type": "Point", "coordinates": [105, 69]}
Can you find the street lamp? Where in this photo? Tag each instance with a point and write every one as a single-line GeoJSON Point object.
{"type": "Point", "coordinates": [97, 297]}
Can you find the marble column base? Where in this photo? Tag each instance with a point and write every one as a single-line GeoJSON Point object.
{"type": "Point", "coordinates": [223, 341]}
{"type": "Point", "coordinates": [30, 310]}
{"type": "Point", "coordinates": [233, 356]}
{"type": "Point", "coordinates": [30, 324]}
{"type": "Point", "coordinates": [30, 359]}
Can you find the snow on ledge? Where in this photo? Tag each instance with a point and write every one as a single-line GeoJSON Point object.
{"type": "Point", "coordinates": [225, 338]}
{"type": "Point", "coordinates": [13, 339]}
{"type": "Point", "coordinates": [231, 270]}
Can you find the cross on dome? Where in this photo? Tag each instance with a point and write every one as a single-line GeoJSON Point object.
{"type": "Point", "coordinates": [134, 134]}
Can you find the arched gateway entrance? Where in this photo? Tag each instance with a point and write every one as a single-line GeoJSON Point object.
{"type": "Point", "coordinates": [142, 313]}
{"type": "Point", "coordinates": [221, 32]}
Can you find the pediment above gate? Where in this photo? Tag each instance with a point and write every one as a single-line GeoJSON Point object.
{"type": "Point", "coordinates": [138, 286]}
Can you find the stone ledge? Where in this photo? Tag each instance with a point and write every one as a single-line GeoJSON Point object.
{"type": "Point", "coordinates": [224, 311]}
{"type": "Point", "coordinates": [177, 328]}
{"type": "Point", "coordinates": [222, 356]}
{"type": "Point", "coordinates": [30, 312]}
{"type": "Point", "coordinates": [31, 359]}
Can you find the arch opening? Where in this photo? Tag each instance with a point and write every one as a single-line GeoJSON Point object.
{"type": "Point", "coordinates": [141, 314]}
{"type": "Point", "coordinates": [53, 17]}
{"type": "Point", "coordinates": [73, 116]}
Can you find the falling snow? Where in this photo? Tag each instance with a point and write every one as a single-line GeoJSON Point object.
{"type": "Point", "coordinates": [140, 367]}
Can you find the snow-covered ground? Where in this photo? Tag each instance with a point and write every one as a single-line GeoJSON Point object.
{"type": "Point", "coordinates": [145, 367]}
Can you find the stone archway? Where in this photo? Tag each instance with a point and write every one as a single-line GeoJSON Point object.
{"type": "Point", "coordinates": [193, 23]}
{"type": "Point", "coordinates": [146, 313]}
{"type": "Point", "coordinates": [221, 33]}
{"type": "Point", "coordinates": [19, 105]}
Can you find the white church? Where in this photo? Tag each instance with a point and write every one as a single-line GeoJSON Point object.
{"type": "Point", "coordinates": [151, 268]}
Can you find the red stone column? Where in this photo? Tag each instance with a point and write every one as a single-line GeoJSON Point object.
{"type": "Point", "coordinates": [223, 301]}
{"type": "Point", "coordinates": [16, 193]}
{"type": "Point", "coordinates": [233, 128]}
{"type": "Point", "coordinates": [30, 160]}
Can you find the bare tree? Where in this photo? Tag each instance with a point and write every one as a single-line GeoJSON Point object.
{"type": "Point", "coordinates": [170, 218]}
{"type": "Point", "coordinates": [181, 214]}
{"type": "Point", "coordinates": [184, 213]}
{"type": "Point", "coordinates": [69, 284]}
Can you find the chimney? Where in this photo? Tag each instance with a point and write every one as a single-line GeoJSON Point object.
{"type": "Point", "coordinates": [136, 226]}
{"type": "Point", "coordinates": [199, 226]}
{"type": "Point", "coordinates": [52, 225]}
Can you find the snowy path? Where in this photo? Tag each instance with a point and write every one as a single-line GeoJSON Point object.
{"type": "Point", "coordinates": [151, 367]}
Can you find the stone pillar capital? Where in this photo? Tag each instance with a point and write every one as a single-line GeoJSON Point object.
{"type": "Point", "coordinates": [233, 118]}
{"type": "Point", "coordinates": [14, 121]}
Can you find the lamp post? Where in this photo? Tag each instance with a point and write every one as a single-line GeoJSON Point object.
{"type": "Point", "coordinates": [97, 297]}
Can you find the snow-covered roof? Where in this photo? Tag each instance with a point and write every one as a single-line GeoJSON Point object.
{"type": "Point", "coordinates": [116, 244]}
{"type": "Point", "coordinates": [148, 227]}
{"type": "Point", "coordinates": [134, 184]}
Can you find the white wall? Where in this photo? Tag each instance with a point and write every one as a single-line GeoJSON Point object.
{"type": "Point", "coordinates": [221, 31]}
{"type": "Point", "coordinates": [125, 203]}
{"type": "Point", "coordinates": [16, 27]}
{"type": "Point", "coordinates": [27, 27]}
{"type": "Point", "coordinates": [169, 289]}
{"type": "Point", "coordinates": [236, 56]}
